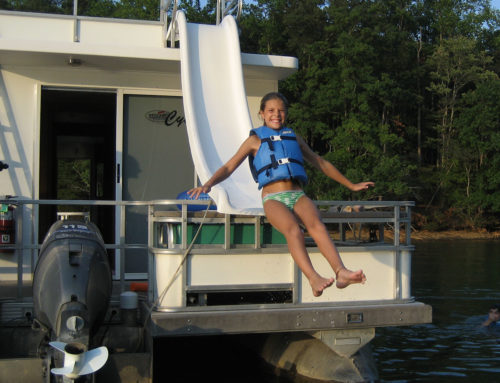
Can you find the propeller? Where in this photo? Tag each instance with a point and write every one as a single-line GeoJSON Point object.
{"type": "Point", "coordinates": [77, 361]}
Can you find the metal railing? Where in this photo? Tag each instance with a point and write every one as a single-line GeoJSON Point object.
{"type": "Point", "coordinates": [231, 7]}
{"type": "Point", "coordinates": [224, 8]}
{"type": "Point", "coordinates": [168, 12]}
{"type": "Point", "coordinates": [383, 214]}
{"type": "Point", "coordinates": [27, 238]}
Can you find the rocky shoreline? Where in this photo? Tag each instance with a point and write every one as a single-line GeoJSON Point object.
{"type": "Point", "coordinates": [422, 235]}
{"type": "Point", "coordinates": [425, 235]}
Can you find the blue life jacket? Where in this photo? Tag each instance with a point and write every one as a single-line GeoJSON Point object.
{"type": "Point", "coordinates": [279, 157]}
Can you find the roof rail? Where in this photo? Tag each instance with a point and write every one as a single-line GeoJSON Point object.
{"type": "Point", "coordinates": [224, 8]}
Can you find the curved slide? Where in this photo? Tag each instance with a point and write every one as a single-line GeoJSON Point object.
{"type": "Point", "coordinates": [216, 109]}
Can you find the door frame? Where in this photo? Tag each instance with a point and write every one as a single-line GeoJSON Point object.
{"type": "Point", "coordinates": [119, 229]}
{"type": "Point", "coordinates": [120, 212]}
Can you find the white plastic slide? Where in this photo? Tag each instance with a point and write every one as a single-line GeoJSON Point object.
{"type": "Point", "coordinates": [216, 110]}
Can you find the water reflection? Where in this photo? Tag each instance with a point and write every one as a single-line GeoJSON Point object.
{"type": "Point", "coordinates": [460, 280]}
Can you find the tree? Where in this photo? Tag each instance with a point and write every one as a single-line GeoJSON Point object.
{"type": "Point", "coordinates": [351, 103]}
{"type": "Point", "coordinates": [478, 173]}
{"type": "Point", "coordinates": [455, 65]}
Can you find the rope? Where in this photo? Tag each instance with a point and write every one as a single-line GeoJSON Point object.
{"type": "Point", "coordinates": [184, 257]}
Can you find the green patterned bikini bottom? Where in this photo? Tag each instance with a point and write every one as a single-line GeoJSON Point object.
{"type": "Point", "coordinates": [289, 198]}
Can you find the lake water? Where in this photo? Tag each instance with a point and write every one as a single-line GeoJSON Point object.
{"type": "Point", "coordinates": [460, 280]}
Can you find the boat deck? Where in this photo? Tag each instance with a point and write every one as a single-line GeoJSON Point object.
{"type": "Point", "coordinates": [288, 318]}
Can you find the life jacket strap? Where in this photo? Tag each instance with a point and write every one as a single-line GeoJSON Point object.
{"type": "Point", "coordinates": [271, 139]}
{"type": "Point", "coordinates": [277, 162]}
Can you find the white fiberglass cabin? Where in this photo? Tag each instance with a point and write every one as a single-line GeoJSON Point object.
{"type": "Point", "coordinates": [102, 120]}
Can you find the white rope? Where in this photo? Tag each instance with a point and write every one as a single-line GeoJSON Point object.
{"type": "Point", "coordinates": [184, 257]}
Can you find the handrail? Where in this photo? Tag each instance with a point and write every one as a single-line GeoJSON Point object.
{"type": "Point", "coordinates": [371, 214]}
{"type": "Point", "coordinates": [338, 214]}
{"type": "Point", "coordinates": [170, 35]}
{"type": "Point", "coordinates": [228, 7]}
{"type": "Point", "coordinates": [169, 29]}
{"type": "Point", "coordinates": [31, 244]}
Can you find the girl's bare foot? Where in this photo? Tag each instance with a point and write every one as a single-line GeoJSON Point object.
{"type": "Point", "coordinates": [318, 284]}
{"type": "Point", "coordinates": [347, 277]}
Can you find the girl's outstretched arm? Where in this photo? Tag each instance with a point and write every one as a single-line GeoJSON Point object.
{"type": "Point", "coordinates": [249, 146]}
{"type": "Point", "coordinates": [329, 169]}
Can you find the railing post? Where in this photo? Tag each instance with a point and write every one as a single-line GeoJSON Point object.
{"type": "Point", "coordinates": [122, 249]}
{"type": "Point", "coordinates": [19, 251]}
{"type": "Point", "coordinates": [151, 244]}
{"type": "Point", "coordinates": [397, 251]}
{"type": "Point", "coordinates": [169, 30]}
{"type": "Point", "coordinates": [408, 225]}
{"type": "Point", "coordinates": [184, 227]}
{"type": "Point", "coordinates": [223, 11]}
{"type": "Point", "coordinates": [220, 11]}
{"type": "Point", "coordinates": [397, 219]}
{"type": "Point", "coordinates": [296, 283]}
{"type": "Point", "coordinates": [257, 237]}
{"type": "Point", "coordinates": [227, 231]}
{"type": "Point", "coordinates": [76, 34]}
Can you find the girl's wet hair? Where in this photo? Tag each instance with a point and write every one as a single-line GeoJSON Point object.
{"type": "Point", "coordinates": [273, 96]}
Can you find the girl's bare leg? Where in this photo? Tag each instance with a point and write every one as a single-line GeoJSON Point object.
{"type": "Point", "coordinates": [286, 223]}
{"type": "Point", "coordinates": [309, 215]}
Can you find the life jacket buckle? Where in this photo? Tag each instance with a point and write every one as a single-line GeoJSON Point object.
{"type": "Point", "coordinates": [283, 161]}
{"type": "Point", "coordinates": [275, 138]}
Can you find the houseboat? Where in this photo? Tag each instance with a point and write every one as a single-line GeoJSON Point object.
{"type": "Point", "coordinates": [134, 113]}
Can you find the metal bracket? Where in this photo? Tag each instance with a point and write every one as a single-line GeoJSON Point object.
{"type": "Point", "coordinates": [345, 342]}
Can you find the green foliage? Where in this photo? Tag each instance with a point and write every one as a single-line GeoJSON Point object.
{"type": "Point", "coordinates": [137, 9]}
{"type": "Point", "coordinates": [73, 179]}
{"type": "Point", "coordinates": [197, 14]}
{"type": "Point", "coordinates": [45, 6]}
{"type": "Point", "coordinates": [478, 165]}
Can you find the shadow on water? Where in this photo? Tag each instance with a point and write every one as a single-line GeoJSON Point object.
{"type": "Point", "coordinates": [460, 280]}
{"type": "Point", "coordinates": [218, 359]}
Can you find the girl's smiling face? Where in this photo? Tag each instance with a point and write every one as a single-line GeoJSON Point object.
{"type": "Point", "coordinates": [274, 113]}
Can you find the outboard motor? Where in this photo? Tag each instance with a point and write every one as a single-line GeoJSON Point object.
{"type": "Point", "coordinates": [72, 286]}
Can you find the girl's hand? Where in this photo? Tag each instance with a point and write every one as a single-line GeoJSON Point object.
{"type": "Point", "coordinates": [362, 186]}
{"type": "Point", "coordinates": [195, 192]}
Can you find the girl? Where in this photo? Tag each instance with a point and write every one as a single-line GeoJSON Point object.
{"type": "Point", "coordinates": [276, 158]}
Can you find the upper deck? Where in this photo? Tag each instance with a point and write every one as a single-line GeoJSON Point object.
{"type": "Point", "coordinates": [52, 41]}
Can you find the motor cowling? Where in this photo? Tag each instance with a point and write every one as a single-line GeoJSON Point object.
{"type": "Point", "coordinates": [72, 282]}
